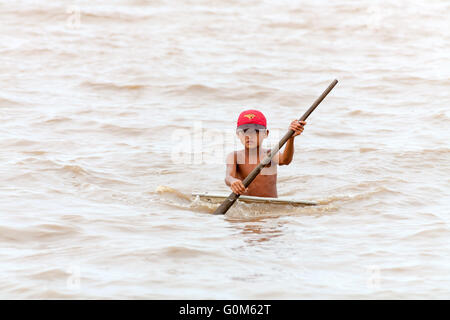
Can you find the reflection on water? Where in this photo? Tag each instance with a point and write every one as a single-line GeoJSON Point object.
{"type": "Point", "coordinates": [257, 230]}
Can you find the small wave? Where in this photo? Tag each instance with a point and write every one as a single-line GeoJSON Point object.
{"type": "Point", "coordinates": [359, 196]}
{"type": "Point", "coordinates": [20, 142]}
{"type": "Point", "coordinates": [364, 150]}
{"type": "Point", "coordinates": [183, 252]}
{"type": "Point", "coordinates": [437, 151]}
{"type": "Point", "coordinates": [400, 269]}
{"type": "Point", "coordinates": [50, 274]}
{"type": "Point", "coordinates": [112, 86]}
{"type": "Point", "coordinates": [200, 88]}
{"type": "Point", "coordinates": [54, 294]}
{"type": "Point", "coordinates": [194, 89]}
{"type": "Point", "coordinates": [117, 14]}
{"type": "Point", "coordinates": [165, 190]}
{"type": "Point", "coordinates": [362, 113]}
{"type": "Point", "coordinates": [335, 134]}
{"type": "Point", "coordinates": [287, 25]}
{"type": "Point", "coordinates": [46, 165]}
{"type": "Point", "coordinates": [169, 228]}
{"type": "Point", "coordinates": [82, 178]}
{"type": "Point", "coordinates": [35, 152]}
{"type": "Point", "coordinates": [124, 131]}
{"type": "Point", "coordinates": [57, 120]}
{"type": "Point", "coordinates": [441, 116]}
{"type": "Point", "coordinates": [44, 13]}
{"type": "Point", "coordinates": [440, 231]}
{"type": "Point", "coordinates": [77, 170]}
{"type": "Point", "coordinates": [8, 102]}
{"type": "Point", "coordinates": [23, 177]}
{"type": "Point", "coordinates": [422, 154]}
{"type": "Point", "coordinates": [328, 150]}
{"type": "Point", "coordinates": [37, 232]}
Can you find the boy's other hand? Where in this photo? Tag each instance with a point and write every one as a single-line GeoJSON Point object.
{"type": "Point", "coordinates": [238, 187]}
{"type": "Point", "coordinates": [297, 127]}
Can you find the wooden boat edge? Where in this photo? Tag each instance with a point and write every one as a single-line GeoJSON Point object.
{"type": "Point", "coordinates": [217, 198]}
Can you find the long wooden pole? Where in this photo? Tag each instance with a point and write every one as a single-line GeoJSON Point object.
{"type": "Point", "coordinates": [228, 202]}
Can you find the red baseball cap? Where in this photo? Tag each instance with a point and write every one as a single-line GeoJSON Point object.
{"type": "Point", "coordinates": [251, 119]}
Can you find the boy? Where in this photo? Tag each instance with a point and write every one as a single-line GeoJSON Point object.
{"type": "Point", "coordinates": [252, 130]}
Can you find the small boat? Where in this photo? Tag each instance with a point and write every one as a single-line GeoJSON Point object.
{"type": "Point", "coordinates": [218, 198]}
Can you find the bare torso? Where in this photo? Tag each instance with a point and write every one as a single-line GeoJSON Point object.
{"type": "Point", "coordinates": [265, 184]}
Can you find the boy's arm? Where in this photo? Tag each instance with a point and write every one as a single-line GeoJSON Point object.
{"type": "Point", "coordinates": [235, 184]}
{"type": "Point", "coordinates": [286, 156]}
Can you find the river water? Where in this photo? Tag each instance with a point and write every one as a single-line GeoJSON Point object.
{"type": "Point", "coordinates": [114, 112]}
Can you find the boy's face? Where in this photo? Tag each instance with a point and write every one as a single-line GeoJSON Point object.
{"type": "Point", "coordinates": [252, 138]}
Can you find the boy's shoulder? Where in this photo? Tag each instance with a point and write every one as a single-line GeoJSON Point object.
{"type": "Point", "coordinates": [231, 156]}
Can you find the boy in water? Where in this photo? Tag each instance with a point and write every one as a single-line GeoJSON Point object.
{"type": "Point", "coordinates": [252, 130]}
